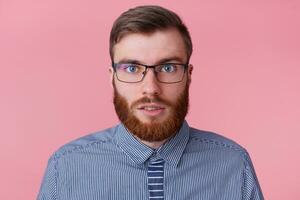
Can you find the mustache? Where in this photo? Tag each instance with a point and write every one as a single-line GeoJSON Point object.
{"type": "Point", "coordinates": [155, 99]}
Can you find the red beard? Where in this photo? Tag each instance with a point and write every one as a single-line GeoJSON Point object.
{"type": "Point", "coordinates": [155, 130]}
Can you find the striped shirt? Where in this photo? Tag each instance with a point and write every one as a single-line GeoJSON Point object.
{"type": "Point", "coordinates": [112, 164]}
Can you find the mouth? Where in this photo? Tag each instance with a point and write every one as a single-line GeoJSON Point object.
{"type": "Point", "coordinates": [151, 109]}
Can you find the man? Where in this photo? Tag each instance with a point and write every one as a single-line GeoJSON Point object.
{"type": "Point", "coordinates": [153, 153]}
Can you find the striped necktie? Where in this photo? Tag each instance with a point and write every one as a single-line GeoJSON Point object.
{"type": "Point", "coordinates": [156, 179]}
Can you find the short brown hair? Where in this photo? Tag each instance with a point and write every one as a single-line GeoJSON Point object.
{"type": "Point", "coordinates": [148, 19]}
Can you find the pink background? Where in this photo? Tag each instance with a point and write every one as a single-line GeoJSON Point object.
{"type": "Point", "coordinates": [54, 83]}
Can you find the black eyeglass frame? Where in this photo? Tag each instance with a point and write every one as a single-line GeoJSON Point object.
{"type": "Point", "coordinates": [114, 65]}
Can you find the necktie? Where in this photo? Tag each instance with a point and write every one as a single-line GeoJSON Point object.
{"type": "Point", "coordinates": [156, 179]}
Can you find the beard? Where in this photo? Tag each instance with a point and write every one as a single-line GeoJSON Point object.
{"type": "Point", "coordinates": [155, 130]}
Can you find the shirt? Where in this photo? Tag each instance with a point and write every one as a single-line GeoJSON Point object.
{"type": "Point", "coordinates": [112, 164]}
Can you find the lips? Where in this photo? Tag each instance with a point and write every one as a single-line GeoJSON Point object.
{"type": "Point", "coordinates": [150, 107]}
{"type": "Point", "coordinates": [151, 110]}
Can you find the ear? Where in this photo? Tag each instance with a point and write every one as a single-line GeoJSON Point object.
{"type": "Point", "coordinates": [190, 70]}
{"type": "Point", "coordinates": [111, 76]}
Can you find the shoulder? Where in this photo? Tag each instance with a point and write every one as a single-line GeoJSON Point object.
{"type": "Point", "coordinates": [99, 139]}
{"type": "Point", "coordinates": [206, 141]}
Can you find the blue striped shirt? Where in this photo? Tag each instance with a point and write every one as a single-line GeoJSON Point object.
{"type": "Point", "coordinates": [112, 164]}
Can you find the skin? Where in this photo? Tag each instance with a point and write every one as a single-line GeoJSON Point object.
{"type": "Point", "coordinates": [155, 48]}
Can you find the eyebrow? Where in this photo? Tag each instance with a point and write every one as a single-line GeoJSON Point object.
{"type": "Point", "coordinates": [161, 61]}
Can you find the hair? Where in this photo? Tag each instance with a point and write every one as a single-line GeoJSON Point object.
{"type": "Point", "coordinates": [148, 19]}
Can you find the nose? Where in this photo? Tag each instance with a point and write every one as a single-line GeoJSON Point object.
{"type": "Point", "coordinates": [150, 85]}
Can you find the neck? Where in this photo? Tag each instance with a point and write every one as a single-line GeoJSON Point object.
{"type": "Point", "coordinates": [153, 145]}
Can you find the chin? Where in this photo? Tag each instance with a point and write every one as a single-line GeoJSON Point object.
{"type": "Point", "coordinates": [150, 120]}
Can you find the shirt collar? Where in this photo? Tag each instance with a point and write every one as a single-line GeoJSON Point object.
{"type": "Point", "coordinates": [139, 153]}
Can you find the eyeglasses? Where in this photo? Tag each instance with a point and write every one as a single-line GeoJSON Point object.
{"type": "Point", "coordinates": [134, 72]}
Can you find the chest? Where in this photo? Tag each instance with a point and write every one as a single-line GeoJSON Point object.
{"type": "Point", "coordinates": [95, 179]}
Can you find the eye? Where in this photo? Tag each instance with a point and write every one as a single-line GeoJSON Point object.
{"type": "Point", "coordinates": [168, 68]}
{"type": "Point", "coordinates": [131, 68]}
{"type": "Point", "coordinates": [128, 68]}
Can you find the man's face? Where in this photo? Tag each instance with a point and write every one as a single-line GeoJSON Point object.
{"type": "Point", "coordinates": [151, 110]}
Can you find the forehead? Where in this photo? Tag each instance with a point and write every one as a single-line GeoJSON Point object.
{"type": "Point", "coordinates": [150, 48]}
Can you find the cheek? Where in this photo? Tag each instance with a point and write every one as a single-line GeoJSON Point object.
{"type": "Point", "coordinates": [172, 92]}
{"type": "Point", "coordinates": [126, 92]}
